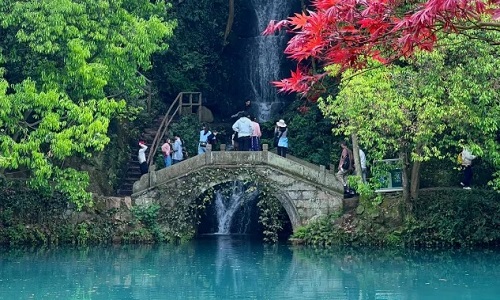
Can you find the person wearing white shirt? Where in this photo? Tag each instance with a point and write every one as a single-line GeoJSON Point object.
{"type": "Point", "coordinates": [467, 158]}
{"type": "Point", "coordinates": [204, 134]}
{"type": "Point", "coordinates": [142, 157]}
{"type": "Point", "coordinates": [362, 162]}
{"type": "Point", "coordinates": [243, 126]}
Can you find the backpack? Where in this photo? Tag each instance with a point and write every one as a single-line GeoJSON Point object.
{"type": "Point", "coordinates": [460, 159]}
{"type": "Point", "coordinates": [347, 163]}
{"type": "Point", "coordinates": [212, 139]}
{"type": "Point", "coordinates": [185, 153]}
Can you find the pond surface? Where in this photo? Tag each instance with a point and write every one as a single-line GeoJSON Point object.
{"type": "Point", "coordinates": [235, 267]}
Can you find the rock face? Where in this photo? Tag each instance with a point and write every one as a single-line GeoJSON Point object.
{"type": "Point", "coordinates": [206, 115]}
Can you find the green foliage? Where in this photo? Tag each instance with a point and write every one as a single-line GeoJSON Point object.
{"type": "Point", "coordinates": [423, 107]}
{"type": "Point", "coordinates": [454, 218]}
{"type": "Point", "coordinates": [442, 218]}
{"type": "Point", "coordinates": [62, 62]}
{"type": "Point", "coordinates": [194, 60]}
{"type": "Point", "coordinates": [147, 217]}
{"type": "Point", "coordinates": [271, 214]}
{"type": "Point", "coordinates": [322, 232]}
{"type": "Point", "coordinates": [30, 218]}
{"type": "Point", "coordinates": [188, 128]}
{"type": "Point", "coordinates": [445, 173]}
{"type": "Point", "coordinates": [310, 135]}
{"type": "Point", "coordinates": [56, 128]}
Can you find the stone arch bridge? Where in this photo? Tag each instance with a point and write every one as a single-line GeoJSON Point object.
{"type": "Point", "coordinates": [305, 190]}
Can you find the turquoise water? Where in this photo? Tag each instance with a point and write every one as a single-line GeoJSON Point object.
{"type": "Point", "coordinates": [223, 267]}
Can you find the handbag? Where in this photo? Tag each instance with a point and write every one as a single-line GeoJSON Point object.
{"type": "Point", "coordinates": [277, 137]}
{"type": "Point", "coordinates": [203, 144]}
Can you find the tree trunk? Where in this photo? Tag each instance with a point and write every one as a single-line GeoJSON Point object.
{"type": "Point", "coordinates": [415, 175]}
{"type": "Point", "coordinates": [355, 152]}
{"type": "Point", "coordinates": [230, 20]}
{"type": "Point", "coordinates": [405, 181]}
{"type": "Point", "coordinates": [415, 179]}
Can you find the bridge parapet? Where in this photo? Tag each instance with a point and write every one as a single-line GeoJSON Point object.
{"type": "Point", "coordinates": [317, 175]}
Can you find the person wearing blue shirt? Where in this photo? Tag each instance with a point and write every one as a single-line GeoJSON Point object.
{"type": "Point", "coordinates": [281, 131]}
{"type": "Point", "coordinates": [203, 141]}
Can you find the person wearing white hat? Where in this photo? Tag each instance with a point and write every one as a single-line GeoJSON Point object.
{"type": "Point", "coordinates": [281, 137]}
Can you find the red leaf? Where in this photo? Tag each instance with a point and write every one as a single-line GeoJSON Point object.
{"type": "Point", "coordinates": [273, 27]}
{"type": "Point", "coordinates": [325, 4]}
{"type": "Point", "coordinates": [299, 21]}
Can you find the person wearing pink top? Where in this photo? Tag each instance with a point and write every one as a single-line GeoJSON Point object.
{"type": "Point", "coordinates": [255, 137]}
{"type": "Point", "coordinates": [166, 149]}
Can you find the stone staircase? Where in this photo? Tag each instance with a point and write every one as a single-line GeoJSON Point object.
{"type": "Point", "coordinates": [154, 134]}
{"type": "Point", "coordinates": [133, 170]}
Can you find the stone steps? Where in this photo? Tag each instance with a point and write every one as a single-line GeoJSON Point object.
{"type": "Point", "coordinates": [133, 169]}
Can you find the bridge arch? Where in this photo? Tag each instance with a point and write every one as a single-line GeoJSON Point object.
{"type": "Point", "coordinates": [304, 190]}
{"type": "Point", "coordinates": [283, 198]}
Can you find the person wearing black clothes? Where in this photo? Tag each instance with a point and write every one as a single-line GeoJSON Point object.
{"type": "Point", "coordinates": [247, 110]}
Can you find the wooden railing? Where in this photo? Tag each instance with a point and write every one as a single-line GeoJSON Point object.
{"type": "Point", "coordinates": [184, 103]}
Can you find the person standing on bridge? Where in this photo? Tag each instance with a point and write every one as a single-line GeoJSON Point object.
{"type": "Point", "coordinates": [166, 149]}
{"type": "Point", "coordinates": [281, 134]}
{"type": "Point", "coordinates": [247, 109]}
{"type": "Point", "coordinates": [204, 134]}
{"type": "Point", "coordinates": [243, 126]}
{"type": "Point", "coordinates": [142, 157]}
{"type": "Point", "coordinates": [255, 137]}
{"type": "Point", "coordinates": [177, 155]}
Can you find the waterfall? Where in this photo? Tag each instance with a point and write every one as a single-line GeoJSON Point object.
{"type": "Point", "coordinates": [264, 59]}
{"type": "Point", "coordinates": [227, 207]}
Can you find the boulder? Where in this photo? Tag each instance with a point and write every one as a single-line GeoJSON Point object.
{"type": "Point", "coordinates": [206, 114]}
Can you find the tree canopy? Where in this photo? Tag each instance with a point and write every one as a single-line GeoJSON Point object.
{"type": "Point", "coordinates": [427, 106]}
{"type": "Point", "coordinates": [349, 32]}
{"type": "Point", "coordinates": [65, 66]}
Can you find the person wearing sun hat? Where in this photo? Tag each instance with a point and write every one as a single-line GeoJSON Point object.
{"type": "Point", "coordinates": [281, 134]}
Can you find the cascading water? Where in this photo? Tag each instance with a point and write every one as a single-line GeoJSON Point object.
{"type": "Point", "coordinates": [236, 202]}
{"type": "Point", "coordinates": [264, 61]}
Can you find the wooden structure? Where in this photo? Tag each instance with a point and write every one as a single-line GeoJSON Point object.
{"type": "Point", "coordinates": [184, 103]}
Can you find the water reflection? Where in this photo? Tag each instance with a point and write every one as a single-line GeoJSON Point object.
{"type": "Point", "coordinates": [229, 267]}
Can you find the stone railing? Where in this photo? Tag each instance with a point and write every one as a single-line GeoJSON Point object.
{"type": "Point", "coordinates": [230, 159]}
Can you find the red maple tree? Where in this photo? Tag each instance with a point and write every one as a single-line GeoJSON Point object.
{"type": "Point", "coordinates": [349, 32]}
